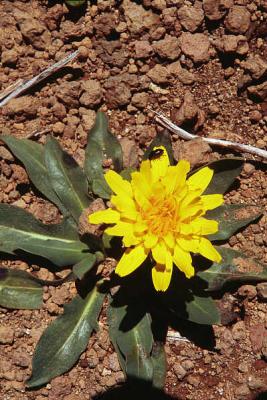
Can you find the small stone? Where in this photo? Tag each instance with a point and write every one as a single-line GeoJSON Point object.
{"type": "Point", "coordinates": [9, 57]}
{"type": "Point", "coordinates": [140, 99]}
{"type": "Point", "coordinates": [91, 93]}
{"type": "Point", "coordinates": [196, 151]}
{"type": "Point", "coordinates": [238, 19]}
{"type": "Point", "coordinates": [186, 77]}
{"type": "Point", "coordinates": [257, 333]}
{"type": "Point", "coordinates": [258, 91]}
{"type": "Point", "coordinates": [242, 392]}
{"type": "Point", "coordinates": [216, 9]}
{"type": "Point", "coordinates": [83, 53]}
{"type": "Point", "coordinates": [143, 49]}
{"type": "Point", "coordinates": [23, 107]}
{"type": "Point", "coordinates": [193, 380]}
{"type": "Point", "coordinates": [248, 291]}
{"type": "Point", "coordinates": [190, 17]}
{"type": "Point", "coordinates": [239, 330]}
{"type": "Point", "coordinates": [255, 116]}
{"type": "Point", "coordinates": [248, 170]}
{"type": "Point", "coordinates": [130, 153]}
{"type": "Point", "coordinates": [195, 46]}
{"type": "Point", "coordinates": [262, 290]}
{"type": "Point", "coordinates": [58, 128]}
{"type": "Point", "coordinates": [243, 367]}
{"type": "Point", "coordinates": [167, 47]}
{"type": "Point", "coordinates": [179, 371]}
{"type": "Point", "coordinates": [187, 364]}
{"type": "Point", "coordinates": [5, 154]}
{"type": "Point", "coordinates": [6, 334]}
{"type": "Point", "coordinates": [255, 65]}
{"type": "Point", "coordinates": [113, 363]}
{"type": "Point", "coordinates": [159, 74]}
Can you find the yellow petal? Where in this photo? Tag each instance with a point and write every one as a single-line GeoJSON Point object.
{"type": "Point", "coordinates": [145, 170]}
{"type": "Point", "coordinates": [131, 240]}
{"type": "Point", "coordinates": [159, 253]}
{"type": "Point", "coordinates": [123, 204]}
{"type": "Point", "coordinates": [207, 250]}
{"type": "Point", "coordinates": [131, 259]}
{"type": "Point", "coordinates": [188, 244]}
{"type": "Point", "coordinates": [201, 179]}
{"type": "Point", "coordinates": [117, 184]}
{"type": "Point", "coordinates": [140, 183]}
{"type": "Point", "coordinates": [161, 277]}
{"type": "Point", "coordinates": [183, 260]}
{"type": "Point", "coordinates": [139, 227]}
{"type": "Point", "coordinates": [203, 226]}
{"type": "Point", "coordinates": [108, 216]}
{"type": "Point", "coordinates": [211, 201]}
{"type": "Point", "coordinates": [150, 240]}
{"type": "Point", "coordinates": [169, 240]}
{"type": "Point", "coordinates": [120, 229]}
{"type": "Point", "coordinates": [159, 165]}
{"type": "Point", "coordinates": [175, 176]}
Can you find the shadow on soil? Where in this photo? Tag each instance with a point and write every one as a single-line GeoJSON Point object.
{"type": "Point", "coordinates": [135, 390]}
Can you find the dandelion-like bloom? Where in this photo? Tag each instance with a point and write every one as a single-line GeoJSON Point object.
{"type": "Point", "coordinates": [160, 212]}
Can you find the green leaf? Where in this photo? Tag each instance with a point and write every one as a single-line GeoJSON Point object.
{"type": "Point", "coordinates": [75, 3]}
{"type": "Point", "coordinates": [101, 145]}
{"type": "Point", "coordinates": [82, 267]}
{"type": "Point", "coordinates": [159, 365]}
{"type": "Point", "coordinates": [67, 178]}
{"type": "Point", "coordinates": [231, 218]}
{"type": "Point", "coordinates": [19, 290]}
{"type": "Point", "coordinates": [126, 173]}
{"type": "Point", "coordinates": [226, 171]}
{"type": "Point", "coordinates": [31, 154]}
{"type": "Point", "coordinates": [59, 243]}
{"type": "Point", "coordinates": [202, 310]}
{"type": "Point", "coordinates": [162, 139]}
{"type": "Point", "coordinates": [66, 338]}
{"type": "Point", "coordinates": [101, 188]}
{"type": "Point", "coordinates": [235, 266]}
{"type": "Point", "coordinates": [134, 345]}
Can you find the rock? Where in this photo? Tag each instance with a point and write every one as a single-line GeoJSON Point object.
{"type": "Point", "coordinates": [187, 112]}
{"type": "Point", "coordinates": [232, 44]}
{"type": "Point", "coordinates": [19, 174]}
{"type": "Point", "coordinates": [68, 93]}
{"type": "Point", "coordinates": [242, 392]}
{"type": "Point", "coordinates": [140, 99]}
{"type": "Point", "coordinates": [262, 290]}
{"type": "Point", "coordinates": [257, 333]}
{"type": "Point", "coordinates": [138, 19]}
{"type": "Point", "coordinates": [130, 153]}
{"type": "Point", "coordinates": [190, 17]}
{"type": "Point", "coordinates": [143, 49]}
{"type": "Point", "coordinates": [6, 334]}
{"type": "Point", "coordinates": [118, 95]}
{"type": "Point", "coordinates": [113, 362]}
{"type": "Point", "coordinates": [239, 330]}
{"type": "Point", "coordinates": [238, 19]}
{"type": "Point", "coordinates": [9, 57]}
{"type": "Point", "coordinates": [228, 309]}
{"type": "Point", "coordinates": [195, 46]}
{"type": "Point", "coordinates": [255, 116]}
{"type": "Point", "coordinates": [58, 128]}
{"type": "Point", "coordinates": [248, 291]}
{"type": "Point", "coordinates": [179, 371]}
{"type": "Point", "coordinates": [105, 24]}
{"type": "Point", "coordinates": [88, 118]}
{"type": "Point", "coordinates": [5, 154]}
{"type": "Point", "coordinates": [184, 76]}
{"type": "Point", "coordinates": [21, 359]}
{"type": "Point", "coordinates": [248, 170]}
{"type": "Point", "coordinates": [23, 107]}
{"type": "Point", "coordinates": [187, 365]}
{"type": "Point", "coordinates": [258, 91]}
{"type": "Point", "coordinates": [193, 380]}
{"type": "Point", "coordinates": [59, 110]}
{"type": "Point", "coordinates": [167, 47]}
{"type": "Point", "coordinates": [196, 151]}
{"type": "Point", "coordinates": [34, 32]}
{"type": "Point", "coordinates": [216, 9]}
{"type": "Point", "coordinates": [159, 74]}
{"type": "Point", "coordinates": [61, 295]}
{"type": "Point", "coordinates": [91, 93]}
{"type": "Point", "coordinates": [255, 65]}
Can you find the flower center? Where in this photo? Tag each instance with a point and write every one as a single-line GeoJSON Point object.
{"type": "Point", "coordinates": [162, 217]}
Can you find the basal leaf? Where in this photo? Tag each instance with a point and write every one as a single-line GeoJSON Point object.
{"type": "Point", "coordinates": [101, 188]}
{"type": "Point", "coordinates": [101, 145]}
{"type": "Point", "coordinates": [19, 290]}
{"type": "Point", "coordinates": [82, 267]}
{"type": "Point", "coordinates": [235, 266]}
{"type": "Point", "coordinates": [162, 139]}
{"type": "Point", "coordinates": [31, 154]}
{"type": "Point", "coordinates": [202, 310]}
{"type": "Point", "coordinates": [226, 171]}
{"type": "Point", "coordinates": [59, 243]}
{"type": "Point", "coordinates": [133, 346]}
{"type": "Point", "coordinates": [67, 178]}
{"type": "Point", "coordinates": [66, 338]}
{"type": "Point", "coordinates": [231, 218]}
{"type": "Point", "coordinates": [159, 365]}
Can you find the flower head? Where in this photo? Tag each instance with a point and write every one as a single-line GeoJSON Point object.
{"type": "Point", "coordinates": [160, 212]}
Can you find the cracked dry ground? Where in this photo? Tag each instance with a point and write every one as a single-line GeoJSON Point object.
{"type": "Point", "coordinates": [203, 63]}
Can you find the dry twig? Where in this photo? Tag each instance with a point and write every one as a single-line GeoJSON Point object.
{"type": "Point", "coordinates": [22, 85]}
{"type": "Point", "coordinates": [245, 148]}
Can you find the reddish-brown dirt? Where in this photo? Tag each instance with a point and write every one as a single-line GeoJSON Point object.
{"type": "Point", "coordinates": [203, 63]}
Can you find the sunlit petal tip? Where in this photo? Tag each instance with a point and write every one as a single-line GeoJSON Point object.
{"type": "Point", "coordinates": [131, 260]}
{"type": "Point", "coordinates": [108, 216]}
{"type": "Point", "coordinates": [161, 278]}
{"type": "Point", "coordinates": [117, 184]}
{"type": "Point", "coordinates": [200, 179]}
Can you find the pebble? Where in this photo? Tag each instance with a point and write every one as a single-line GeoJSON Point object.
{"type": "Point", "coordinates": [248, 291]}
{"type": "Point", "coordinates": [179, 371]}
{"type": "Point", "coordinates": [6, 335]}
{"type": "Point", "coordinates": [262, 290]}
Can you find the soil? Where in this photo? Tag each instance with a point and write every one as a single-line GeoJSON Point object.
{"type": "Point", "coordinates": [204, 65]}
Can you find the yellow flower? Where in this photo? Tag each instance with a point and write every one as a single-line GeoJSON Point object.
{"type": "Point", "coordinates": [160, 212]}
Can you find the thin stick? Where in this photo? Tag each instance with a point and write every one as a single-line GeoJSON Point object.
{"type": "Point", "coordinates": [20, 87]}
{"type": "Point", "coordinates": [245, 148]}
